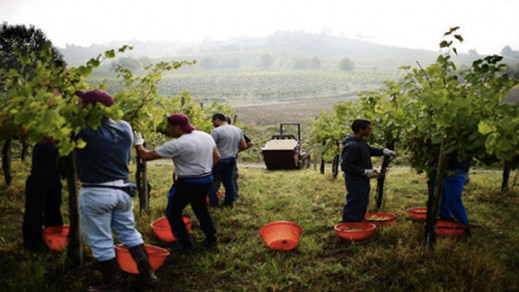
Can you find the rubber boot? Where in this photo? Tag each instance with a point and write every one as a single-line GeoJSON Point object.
{"type": "Point", "coordinates": [112, 276]}
{"type": "Point", "coordinates": [140, 256]}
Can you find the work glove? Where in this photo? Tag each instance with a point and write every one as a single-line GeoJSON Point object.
{"type": "Point", "coordinates": [137, 138]}
{"type": "Point", "coordinates": [389, 152]}
{"type": "Point", "coordinates": [370, 173]}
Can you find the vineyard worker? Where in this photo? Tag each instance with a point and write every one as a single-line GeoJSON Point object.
{"type": "Point", "coordinates": [235, 175]}
{"type": "Point", "coordinates": [43, 186]}
{"type": "Point", "coordinates": [194, 153]}
{"type": "Point", "coordinates": [105, 205]}
{"type": "Point", "coordinates": [357, 167]}
{"type": "Point", "coordinates": [451, 205]}
{"type": "Point", "coordinates": [42, 195]}
{"type": "Point", "coordinates": [229, 141]}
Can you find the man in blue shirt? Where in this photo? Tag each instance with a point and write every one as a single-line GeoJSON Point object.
{"type": "Point", "coordinates": [102, 167]}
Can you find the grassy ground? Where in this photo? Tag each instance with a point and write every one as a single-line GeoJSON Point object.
{"type": "Point", "coordinates": [394, 259]}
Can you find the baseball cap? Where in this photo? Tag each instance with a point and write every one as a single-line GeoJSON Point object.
{"type": "Point", "coordinates": [94, 96]}
{"type": "Point", "coordinates": [182, 121]}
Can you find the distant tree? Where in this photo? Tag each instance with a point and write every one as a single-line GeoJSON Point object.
{"type": "Point", "coordinates": [230, 64]}
{"type": "Point", "coordinates": [20, 39]}
{"type": "Point", "coordinates": [130, 63]}
{"type": "Point", "coordinates": [473, 52]}
{"type": "Point", "coordinates": [300, 63]}
{"type": "Point", "coordinates": [506, 51]}
{"type": "Point", "coordinates": [209, 63]}
{"type": "Point", "coordinates": [315, 63]}
{"type": "Point", "coordinates": [266, 61]}
{"type": "Point", "coordinates": [145, 61]}
{"type": "Point", "coordinates": [346, 65]}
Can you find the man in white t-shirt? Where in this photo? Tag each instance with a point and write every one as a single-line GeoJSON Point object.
{"type": "Point", "coordinates": [229, 141]}
{"type": "Point", "coordinates": [194, 153]}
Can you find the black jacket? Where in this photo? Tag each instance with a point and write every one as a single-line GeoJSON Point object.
{"type": "Point", "coordinates": [356, 157]}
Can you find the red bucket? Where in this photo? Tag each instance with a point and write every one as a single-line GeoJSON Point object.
{"type": "Point", "coordinates": [156, 257]}
{"type": "Point", "coordinates": [448, 229]}
{"type": "Point", "coordinates": [162, 229]}
{"type": "Point", "coordinates": [281, 235]}
{"type": "Point", "coordinates": [381, 219]}
{"type": "Point", "coordinates": [417, 213]}
{"type": "Point", "coordinates": [353, 231]}
{"type": "Point", "coordinates": [56, 237]}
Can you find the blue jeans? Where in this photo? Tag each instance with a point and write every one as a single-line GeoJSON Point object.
{"type": "Point", "coordinates": [357, 200]}
{"type": "Point", "coordinates": [451, 205]}
{"type": "Point", "coordinates": [225, 169]}
{"type": "Point", "coordinates": [101, 211]}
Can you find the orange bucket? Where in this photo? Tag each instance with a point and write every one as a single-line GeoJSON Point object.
{"type": "Point", "coordinates": [281, 235]}
{"type": "Point", "coordinates": [452, 230]}
{"type": "Point", "coordinates": [56, 237]}
{"type": "Point", "coordinates": [417, 213]}
{"type": "Point", "coordinates": [156, 256]}
{"type": "Point", "coordinates": [162, 229]}
{"type": "Point", "coordinates": [381, 219]}
{"type": "Point", "coordinates": [352, 231]}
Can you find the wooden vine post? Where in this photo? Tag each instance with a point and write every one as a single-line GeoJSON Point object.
{"type": "Point", "coordinates": [382, 178]}
{"type": "Point", "coordinates": [75, 246]}
{"type": "Point", "coordinates": [6, 161]}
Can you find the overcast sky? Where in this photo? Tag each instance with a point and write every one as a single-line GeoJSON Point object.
{"type": "Point", "coordinates": [486, 26]}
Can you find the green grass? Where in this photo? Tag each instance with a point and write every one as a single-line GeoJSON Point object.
{"type": "Point", "coordinates": [394, 259]}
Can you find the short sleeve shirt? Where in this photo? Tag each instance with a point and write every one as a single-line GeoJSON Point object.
{"type": "Point", "coordinates": [192, 154]}
{"type": "Point", "coordinates": [227, 138]}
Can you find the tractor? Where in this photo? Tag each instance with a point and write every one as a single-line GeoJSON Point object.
{"type": "Point", "coordinates": [284, 151]}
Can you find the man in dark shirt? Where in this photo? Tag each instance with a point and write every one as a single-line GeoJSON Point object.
{"type": "Point", "coordinates": [105, 206]}
{"type": "Point", "coordinates": [42, 196]}
{"type": "Point", "coordinates": [357, 167]}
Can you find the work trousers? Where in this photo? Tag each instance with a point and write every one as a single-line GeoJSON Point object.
{"type": "Point", "coordinates": [225, 169]}
{"type": "Point", "coordinates": [357, 200]}
{"type": "Point", "coordinates": [101, 211]}
{"type": "Point", "coordinates": [451, 205]}
{"type": "Point", "coordinates": [193, 192]}
{"type": "Point", "coordinates": [42, 208]}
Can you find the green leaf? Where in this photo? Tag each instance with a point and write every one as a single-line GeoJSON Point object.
{"type": "Point", "coordinates": [85, 70]}
{"type": "Point", "coordinates": [93, 63]}
{"type": "Point", "coordinates": [445, 44]}
{"type": "Point", "coordinates": [459, 37]}
{"type": "Point", "coordinates": [436, 138]}
{"type": "Point", "coordinates": [485, 128]}
{"type": "Point", "coordinates": [451, 30]}
{"type": "Point", "coordinates": [110, 54]}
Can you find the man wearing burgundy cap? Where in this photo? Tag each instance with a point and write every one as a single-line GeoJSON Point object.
{"type": "Point", "coordinates": [194, 153]}
{"type": "Point", "coordinates": [102, 167]}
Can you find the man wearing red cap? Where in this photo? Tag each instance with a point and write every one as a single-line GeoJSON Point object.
{"type": "Point", "coordinates": [194, 153]}
{"type": "Point", "coordinates": [105, 204]}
